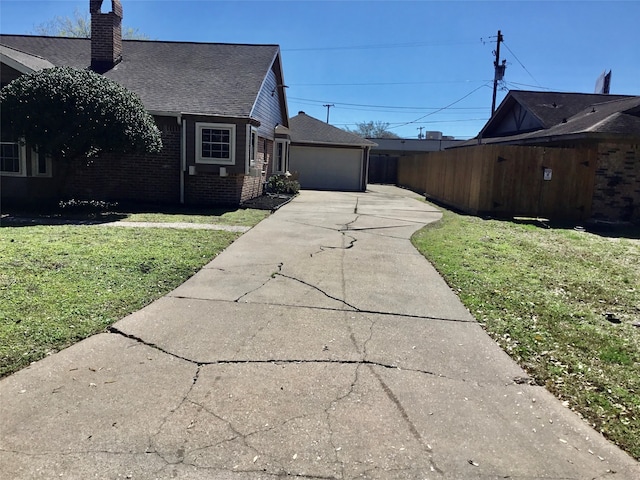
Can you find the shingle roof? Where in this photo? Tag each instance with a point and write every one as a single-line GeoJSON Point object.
{"type": "Point", "coordinates": [32, 63]}
{"type": "Point", "coordinates": [177, 77]}
{"type": "Point", "coordinates": [306, 129]}
{"type": "Point", "coordinates": [620, 116]}
{"type": "Point", "coordinates": [552, 107]}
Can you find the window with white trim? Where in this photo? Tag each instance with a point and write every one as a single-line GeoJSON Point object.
{"type": "Point", "coordinates": [40, 165]}
{"type": "Point", "coordinates": [215, 143]}
{"type": "Point", "coordinates": [281, 156]}
{"type": "Point", "coordinates": [252, 135]}
{"type": "Point", "coordinates": [12, 159]}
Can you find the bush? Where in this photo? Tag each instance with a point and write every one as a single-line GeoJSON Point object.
{"type": "Point", "coordinates": [70, 113]}
{"type": "Point", "coordinates": [283, 184]}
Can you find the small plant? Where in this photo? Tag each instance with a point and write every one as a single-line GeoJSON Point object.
{"type": "Point", "coordinates": [86, 206]}
{"type": "Point", "coordinates": [283, 184]}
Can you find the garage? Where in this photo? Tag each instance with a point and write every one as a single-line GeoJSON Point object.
{"type": "Point", "coordinates": [325, 157]}
{"type": "Point", "coordinates": [325, 168]}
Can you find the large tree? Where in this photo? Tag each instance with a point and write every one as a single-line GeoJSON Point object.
{"type": "Point", "coordinates": [79, 26]}
{"type": "Point", "coordinates": [373, 130]}
{"type": "Point", "coordinates": [70, 114]}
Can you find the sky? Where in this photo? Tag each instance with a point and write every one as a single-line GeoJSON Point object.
{"type": "Point", "coordinates": [416, 65]}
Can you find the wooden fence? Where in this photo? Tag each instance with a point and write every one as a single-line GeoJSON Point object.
{"type": "Point", "coordinates": [506, 181]}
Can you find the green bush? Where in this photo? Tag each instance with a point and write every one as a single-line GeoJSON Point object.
{"type": "Point", "coordinates": [70, 113]}
{"type": "Point", "coordinates": [283, 184]}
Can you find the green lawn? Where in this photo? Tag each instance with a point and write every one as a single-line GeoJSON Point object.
{"type": "Point", "coordinates": [60, 284]}
{"type": "Point", "coordinates": [545, 295]}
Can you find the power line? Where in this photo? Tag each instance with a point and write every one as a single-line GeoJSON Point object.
{"type": "Point", "coordinates": [366, 84]}
{"type": "Point", "coordinates": [443, 108]}
{"type": "Point", "coordinates": [528, 85]}
{"type": "Point", "coordinates": [383, 45]}
{"type": "Point", "coordinates": [521, 64]}
{"type": "Point", "coordinates": [382, 106]}
{"type": "Point", "coordinates": [484, 119]}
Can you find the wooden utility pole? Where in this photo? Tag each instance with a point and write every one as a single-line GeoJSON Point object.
{"type": "Point", "coordinates": [499, 71]}
{"type": "Point", "coordinates": [420, 134]}
{"type": "Point", "coordinates": [328, 107]}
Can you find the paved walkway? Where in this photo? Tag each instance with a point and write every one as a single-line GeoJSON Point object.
{"type": "Point", "coordinates": [320, 345]}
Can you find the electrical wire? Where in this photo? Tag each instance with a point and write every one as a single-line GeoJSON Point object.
{"type": "Point", "coordinates": [379, 106]}
{"type": "Point", "coordinates": [443, 108]}
{"type": "Point", "coordinates": [527, 85]}
{"type": "Point", "coordinates": [383, 45]}
{"type": "Point", "coordinates": [380, 83]}
{"type": "Point", "coordinates": [521, 64]}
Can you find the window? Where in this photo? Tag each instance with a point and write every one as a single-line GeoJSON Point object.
{"type": "Point", "coordinates": [215, 143]}
{"type": "Point", "coordinates": [253, 146]}
{"type": "Point", "coordinates": [12, 158]}
{"type": "Point", "coordinates": [40, 165]}
{"type": "Point", "coordinates": [281, 154]}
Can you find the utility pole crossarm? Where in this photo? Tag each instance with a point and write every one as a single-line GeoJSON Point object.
{"type": "Point", "coordinates": [328, 106]}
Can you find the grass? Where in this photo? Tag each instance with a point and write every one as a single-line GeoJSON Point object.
{"type": "Point", "coordinates": [105, 212]}
{"type": "Point", "coordinates": [547, 296]}
{"type": "Point", "coordinates": [245, 217]}
{"type": "Point", "coordinates": [60, 284]}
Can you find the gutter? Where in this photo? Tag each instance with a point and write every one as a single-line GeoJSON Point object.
{"type": "Point", "coordinates": [183, 156]}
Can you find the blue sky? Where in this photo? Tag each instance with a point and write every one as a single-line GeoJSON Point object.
{"type": "Point", "coordinates": [400, 62]}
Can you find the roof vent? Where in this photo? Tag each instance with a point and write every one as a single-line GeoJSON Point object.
{"type": "Point", "coordinates": [301, 113]}
{"type": "Point", "coordinates": [554, 105]}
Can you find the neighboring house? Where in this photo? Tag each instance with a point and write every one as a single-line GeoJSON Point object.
{"type": "Point", "coordinates": [554, 118]}
{"type": "Point", "coordinates": [573, 156]}
{"type": "Point", "coordinates": [217, 107]}
{"type": "Point", "coordinates": [326, 157]}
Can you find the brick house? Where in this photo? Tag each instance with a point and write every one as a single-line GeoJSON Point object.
{"type": "Point", "coordinates": [217, 106]}
{"type": "Point", "coordinates": [607, 127]}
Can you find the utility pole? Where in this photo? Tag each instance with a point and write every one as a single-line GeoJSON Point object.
{"type": "Point", "coordinates": [499, 71]}
{"type": "Point", "coordinates": [328, 107]}
{"type": "Point", "coordinates": [420, 134]}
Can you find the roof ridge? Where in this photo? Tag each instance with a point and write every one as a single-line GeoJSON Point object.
{"type": "Point", "coordinates": [130, 40]}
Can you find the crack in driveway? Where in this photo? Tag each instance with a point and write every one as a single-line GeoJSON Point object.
{"type": "Point", "coordinates": [276, 361]}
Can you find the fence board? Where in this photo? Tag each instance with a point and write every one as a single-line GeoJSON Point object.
{"type": "Point", "coordinates": [506, 180]}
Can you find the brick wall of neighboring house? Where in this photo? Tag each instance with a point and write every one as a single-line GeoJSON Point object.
{"type": "Point", "coordinates": [617, 183]}
{"type": "Point", "coordinates": [148, 178]}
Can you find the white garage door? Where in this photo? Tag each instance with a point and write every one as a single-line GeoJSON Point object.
{"type": "Point", "coordinates": [327, 168]}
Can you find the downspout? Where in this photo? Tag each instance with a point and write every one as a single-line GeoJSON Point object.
{"type": "Point", "coordinates": [183, 156]}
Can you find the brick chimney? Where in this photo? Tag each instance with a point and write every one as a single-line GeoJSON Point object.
{"type": "Point", "coordinates": [106, 36]}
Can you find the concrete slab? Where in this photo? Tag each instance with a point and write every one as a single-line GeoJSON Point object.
{"type": "Point", "coordinates": [318, 345]}
{"type": "Point", "coordinates": [94, 407]}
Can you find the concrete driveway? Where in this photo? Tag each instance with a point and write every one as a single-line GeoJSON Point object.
{"type": "Point", "coordinates": [320, 345]}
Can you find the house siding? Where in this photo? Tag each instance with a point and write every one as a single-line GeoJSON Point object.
{"type": "Point", "coordinates": [268, 108]}
{"type": "Point", "coordinates": [617, 182]}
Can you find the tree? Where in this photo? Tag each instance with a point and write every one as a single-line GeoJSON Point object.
{"type": "Point", "coordinates": [70, 114]}
{"type": "Point", "coordinates": [373, 130]}
{"type": "Point", "coordinates": [79, 26]}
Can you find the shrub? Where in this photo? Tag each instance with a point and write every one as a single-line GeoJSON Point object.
{"type": "Point", "coordinates": [283, 184]}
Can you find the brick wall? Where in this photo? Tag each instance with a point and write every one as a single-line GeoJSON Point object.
{"type": "Point", "coordinates": [212, 189]}
{"type": "Point", "coordinates": [145, 178]}
{"type": "Point", "coordinates": [617, 183]}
